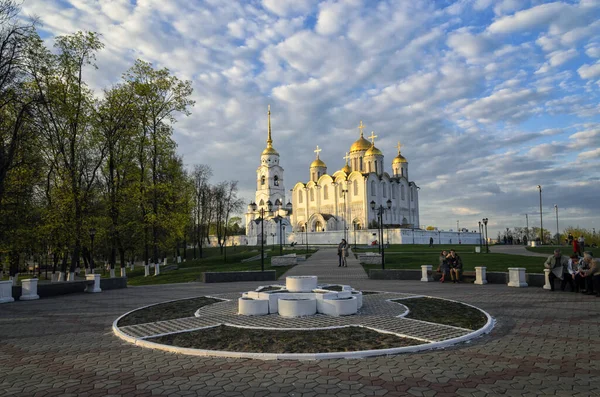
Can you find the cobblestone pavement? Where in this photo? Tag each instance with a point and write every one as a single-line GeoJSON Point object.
{"type": "Point", "coordinates": [544, 343]}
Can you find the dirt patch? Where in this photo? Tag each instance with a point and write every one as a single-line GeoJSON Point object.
{"type": "Point", "coordinates": [444, 312]}
{"type": "Point", "coordinates": [333, 288]}
{"type": "Point", "coordinates": [273, 341]}
{"type": "Point", "coordinates": [270, 288]}
{"type": "Point", "coordinates": [166, 311]}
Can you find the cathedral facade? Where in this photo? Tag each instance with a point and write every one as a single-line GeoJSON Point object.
{"type": "Point", "coordinates": [344, 200]}
{"type": "Point", "coordinates": [341, 201]}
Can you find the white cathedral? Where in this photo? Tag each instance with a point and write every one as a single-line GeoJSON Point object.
{"type": "Point", "coordinates": [333, 206]}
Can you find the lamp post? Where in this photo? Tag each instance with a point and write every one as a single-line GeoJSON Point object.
{"type": "Point", "coordinates": [487, 248]}
{"type": "Point", "coordinates": [354, 225]}
{"type": "Point", "coordinates": [539, 187]}
{"type": "Point", "coordinates": [92, 232]}
{"type": "Point", "coordinates": [527, 226]}
{"type": "Point", "coordinates": [262, 231]}
{"type": "Point", "coordinates": [480, 242]}
{"type": "Point", "coordinates": [306, 231]}
{"type": "Point", "coordinates": [458, 230]}
{"type": "Point", "coordinates": [557, 232]}
{"type": "Point", "coordinates": [380, 210]}
{"type": "Point", "coordinates": [273, 241]}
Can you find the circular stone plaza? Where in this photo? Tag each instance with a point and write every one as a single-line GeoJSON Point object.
{"type": "Point", "coordinates": [347, 335]}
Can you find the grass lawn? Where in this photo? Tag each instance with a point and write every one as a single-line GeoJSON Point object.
{"type": "Point", "coordinates": [192, 270]}
{"type": "Point", "coordinates": [493, 262]}
{"type": "Point", "coordinates": [420, 248]}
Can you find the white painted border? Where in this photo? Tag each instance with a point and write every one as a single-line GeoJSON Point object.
{"type": "Point", "coordinates": [306, 356]}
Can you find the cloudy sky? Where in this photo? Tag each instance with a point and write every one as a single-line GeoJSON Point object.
{"type": "Point", "coordinates": [489, 98]}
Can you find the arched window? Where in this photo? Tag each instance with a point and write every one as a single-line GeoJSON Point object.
{"type": "Point", "coordinates": [299, 196]}
{"type": "Point", "coordinates": [401, 171]}
{"type": "Point", "coordinates": [361, 163]}
{"type": "Point", "coordinates": [312, 194]}
{"type": "Point", "coordinates": [262, 202]}
{"type": "Point", "coordinates": [384, 188]}
{"type": "Point", "coordinates": [325, 192]}
{"type": "Point", "coordinates": [402, 192]}
{"type": "Point", "coordinates": [276, 180]}
{"type": "Point", "coordinates": [373, 188]}
{"type": "Point", "coordinates": [355, 187]}
{"type": "Point", "coordinates": [262, 180]}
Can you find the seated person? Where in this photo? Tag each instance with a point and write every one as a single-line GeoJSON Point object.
{"type": "Point", "coordinates": [443, 266]}
{"type": "Point", "coordinates": [592, 275]}
{"type": "Point", "coordinates": [455, 264]}
{"type": "Point", "coordinates": [580, 267]}
{"type": "Point", "coordinates": [559, 266]}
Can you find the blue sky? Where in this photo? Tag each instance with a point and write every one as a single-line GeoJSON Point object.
{"type": "Point", "coordinates": [489, 98]}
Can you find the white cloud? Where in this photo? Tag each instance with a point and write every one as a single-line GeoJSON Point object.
{"type": "Point", "coordinates": [528, 19]}
{"type": "Point", "coordinates": [285, 8]}
{"type": "Point", "coordinates": [590, 154]}
{"type": "Point", "coordinates": [589, 71]}
{"type": "Point", "coordinates": [593, 50]}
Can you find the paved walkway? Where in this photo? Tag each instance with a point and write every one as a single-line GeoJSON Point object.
{"type": "Point", "coordinates": [324, 265]}
{"type": "Point", "coordinates": [543, 344]}
{"type": "Point", "coordinates": [515, 250]}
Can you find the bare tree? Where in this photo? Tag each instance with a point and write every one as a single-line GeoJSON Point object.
{"type": "Point", "coordinates": [201, 212]}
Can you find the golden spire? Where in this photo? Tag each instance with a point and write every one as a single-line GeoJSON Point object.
{"type": "Point", "coordinates": [360, 127]}
{"type": "Point", "coordinates": [269, 140]}
{"type": "Point", "coordinates": [399, 145]}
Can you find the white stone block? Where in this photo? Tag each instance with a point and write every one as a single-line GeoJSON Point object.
{"type": "Point", "coordinates": [533, 243]}
{"type": "Point", "coordinates": [124, 272]}
{"type": "Point", "coordinates": [297, 307]}
{"type": "Point", "coordinates": [477, 250]}
{"type": "Point", "coordinates": [29, 289]}
{"type": "Point", "coordinates": [253, 307]}
{"type": "Point", "coordinates": [71, 276]}
{"type": "Point", "coordinates": [338, 307]}
{"type": "Point", "coordinates": [112, 273]}
{"type": "Point", "coordinates": [301, 283]}
{"type": "Point", "coordinates": [6, 291]}
{"type": "Point", "coordinates": [516, 277]}
{"type": "Point", "coordinates": [94, 287]}
{"type": "Point", "coordinates": [157, 269]}
{"type": "Point", "coordinates": [480, 275]}
{"type": "Point", "coordinates": [359, 298]}
{"type": "Point", "coordinates": [547, 279]}
{"type": "Point", "coordinates": [426, 273]}
{"type": "Point", "coordinates": [146, 270]}
{"type": "Point", "coordinates": [61, 277]}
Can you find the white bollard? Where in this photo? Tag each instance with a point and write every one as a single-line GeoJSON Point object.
{"type": "Point", "coordinates": [547, 279]}
{"type": "Point", "coordinates": [71, 276]}
{"type": "Point", "coordinates": [178, 259]}
{"type": "Point", "coordinates": [6, 291]}
{"type": "Point", "coordinates": [146, 270]}
{"type": "Point", "coordinates": [165, 262]}
{"type": "Point", "coordinates": [123, 272]}
{"type": "Point", "coordinates": [112, 272]}
{"type": "Point", "coordinates": [61, 277]}
{"type": "Point", "coordinates": [54, 278]}
{"type": "Point", "coordinates": [426, 273]}
{"type": "Point", "coordinates": [480, 275]}
{"type": "Point", "coordinates": [516, 277]}
{"type": "Point", "coordinates": [94, 287]}
{"type": "Point", "coordinates": [29, 289]}
{"type": "Point", "coordinates": [157, 269]}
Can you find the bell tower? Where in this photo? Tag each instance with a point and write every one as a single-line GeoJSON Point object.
{"type": "Point", "coordinates": [269, 175]}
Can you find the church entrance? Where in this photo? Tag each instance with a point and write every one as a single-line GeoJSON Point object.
{"type": "Point", "coordinates": [319, 227]}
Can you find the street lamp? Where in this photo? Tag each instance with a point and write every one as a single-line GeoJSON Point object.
{"type": "Point", "coordinates": [306, 231]}
{"type": "Point", "coordinates": [458, 230]}
{"type": "Point", "coordinates": [92, 232]}
{"type": "Point", "coordinates": [273, 241]}
{"type": "Point", "coordinates": [380, 210]}
{"type": "Point", "coordinates": [262, 231]}
{"type": "Point", "coordinates": [480, 242]}
{"type": "Point", "coordinates": [557, 232]}
{"type": "Point", "coordinates": [539, 187]}
{"type": "Point", "coordinates": [344, 192]}
{"type": "Point", "coordinates": [279, 220]}
{"type": "Point", "coordinates": [487, 248]}
{"type": "Point", "coordinates": [354, 224]}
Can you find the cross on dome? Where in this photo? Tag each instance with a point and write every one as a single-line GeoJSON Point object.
{"type": "Point", "coordinates": [399, 145]}
{"type": "Point", "coordinates": [372, 137]}
{"type": "Point", "coordinates": [317, 151]}
{"type": "Point", "coordinates": [360, 127]}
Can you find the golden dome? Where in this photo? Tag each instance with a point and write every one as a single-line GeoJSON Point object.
{"type": "Point", "coordinates": [373, 151]}
{"type": "Point", "coordinates": [317, 163]}
{"type": "Point", "coordinates": [360, 145]}
{"type": "Point", "coordinates": [270, 150]}
{"type": "Point", "coordinates": [399, 159]}
{"type": "Point", "coordinates": [346, 169]}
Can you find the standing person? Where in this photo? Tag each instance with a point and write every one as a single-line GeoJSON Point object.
{"type": "Point", "coordinates": [581, 243]}
{"type": "Point", "coordinates": [431, 241]}
{"type": "Point", "coordinates": [443, 267]}
{"type": "Point", "coordinates": [575, 246]}
{"type": "Point", "coordinates": [558, 265]}
{"type": "Point", "coordinates": [340, 252]}
{"type": "Point", "coordinates": [455, 264]}
{"type": "Point", "coordinates": [570, 239]}
{"type": "Point", "coordinates": [344, 253]}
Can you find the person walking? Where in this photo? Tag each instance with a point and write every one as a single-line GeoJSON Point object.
{"type": "Point", "coordinates": [581, 244]}
{"type": "Point", "coordinates": [339, 252]}
{"type": "Point", "coordinates": [344, 253]}
{"type": "Point", "coordinates": [431, 241]}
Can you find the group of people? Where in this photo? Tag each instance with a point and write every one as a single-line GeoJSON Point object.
{"type": "Point", "coordinates": [343, 253]}
{"type": "Point", "coordinates": [450, 264]}
{"type": "Point", "coordinates": [581, 273]}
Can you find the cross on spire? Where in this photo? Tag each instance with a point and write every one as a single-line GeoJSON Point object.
{"type": "Point", "coordinates": [399, 145]}
{"type": "Point", "coordinates": [372, 138]}
{"type": "Point", "coordinates": [317, 151]}
{"type": "Point", "coordinates": [360, 127]}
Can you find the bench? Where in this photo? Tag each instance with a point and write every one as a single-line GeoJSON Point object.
{"type": "Point", "coordinates": [466, 277]}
